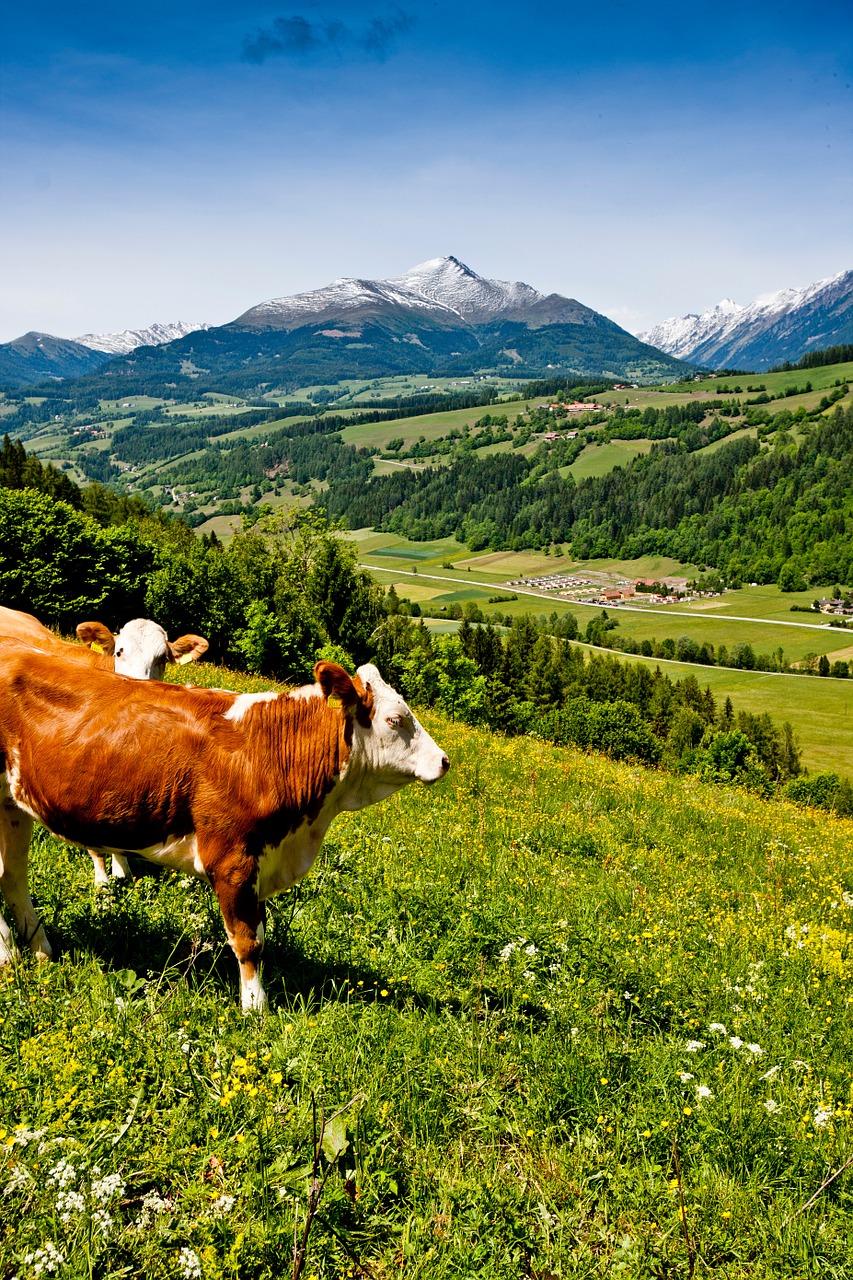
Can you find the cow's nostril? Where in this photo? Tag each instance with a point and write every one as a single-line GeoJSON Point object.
{"type": "Point", "coordinates": [445, 763]}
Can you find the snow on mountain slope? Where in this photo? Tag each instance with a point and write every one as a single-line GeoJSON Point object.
{"type": "Point", "coordinates": [779, 327]}
{"type": "Point", "coordinates": [443, 290]}
{"type": "Point", "coordinates": [360, 298]}
{"type": "Point", "coordinates": [449, 282]}
{"type": "Point", "coordinates": [120, 344]}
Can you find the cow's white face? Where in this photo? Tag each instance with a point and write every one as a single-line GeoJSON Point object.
{"type": "Point", "coordinates": [141, 650]}
{"type": "Point", "coordinates": [395, 749]}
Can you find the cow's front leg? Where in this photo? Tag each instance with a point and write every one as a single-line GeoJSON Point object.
{"type": "Point", "coordinates": [244, 918]}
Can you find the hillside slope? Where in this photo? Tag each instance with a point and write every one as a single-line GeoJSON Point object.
{"type": "Point", "coordinates": [550, 1001]}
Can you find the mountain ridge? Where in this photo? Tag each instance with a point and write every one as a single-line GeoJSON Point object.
{"type": "Point", "coordinates": [767, 331]}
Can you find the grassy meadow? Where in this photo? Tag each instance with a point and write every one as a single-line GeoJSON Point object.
{"type": "Point", "coordinates": [563, 1018]}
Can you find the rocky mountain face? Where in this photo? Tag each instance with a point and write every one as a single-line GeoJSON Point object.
{"type": "Point", "coordinates": [120, 344]}
{"type": "Point", "coordinates": [441, 291]}
{"type": "Point", "coordinates": [768, 331]}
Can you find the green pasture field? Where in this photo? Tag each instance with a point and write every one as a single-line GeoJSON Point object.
{"type": "Point", "coordinates": [561, 1017]}
{"type": "Point", "coordinates": [598, 459]}
{"type": "Point", "coordinates": [429, 425]}
{"type": "Point", "coordinates": [822, 379]}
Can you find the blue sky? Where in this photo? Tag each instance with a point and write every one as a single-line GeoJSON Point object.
{"type": "Point", "coordinates": [187, 161]}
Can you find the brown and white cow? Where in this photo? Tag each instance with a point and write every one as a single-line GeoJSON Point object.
{"type": "Point", "coordinates": [237, 789]}
{"type": "Point", "coordinates": [140, 650]}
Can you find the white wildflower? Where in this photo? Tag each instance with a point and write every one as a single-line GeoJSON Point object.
{"type": "Point", "coordinates": [770, 1106]}
{"type": "Point", "coordinates": [755, 1049]}
{"type": "Point", "coordinates": [154, 1203]}
{"type": "Point", "coordinates": [530, 950]}
{"type": "Point", "coordinates": [529, 975]}
{"type": "Point", "coordinates": [768, 1075]}
{"type": "Point", "coordinates": [69, 1203]}
{"type": "Point", "coordinates": [574, 1031]}
{"type": "Point", "coordinates": [847, 898]}
{"type": "Point", "coordinates": [736, 1042]}
{"type": "Point", "coordinates": [222, 1206]}
{"type": "Point", "coordinates": [693, 1046]}
{"type": "Point", "coordinates": [685, 1076]}
{"type": "Point", "coordinates": [22, 1136]}
{"type": "Point", "coordinates": [800, 1065]}
{"type": "Point", "coordinates": [104, 1189]}
{"type": "Point", "coordinates": [47, 1258]}
{"type": "Point", "coordinates": [18, 1177]}
{"type": "Point", "coordinates": [507, 951]}
{"type": "Point", "coordinates": [102, 1221]}
{"type": "Point", "coordinates": [717, 1027]}
{"type": "Point", "coordinates": [703, 1092]}
{"type": "Point", "coordinates": [822, 1117]}
{"type": "Point", "coordinates": [190, 1264]}
{"type": "Point", "coordinates": [63, 1174]}
{"type": "Point", "coordinates": [791, 932]}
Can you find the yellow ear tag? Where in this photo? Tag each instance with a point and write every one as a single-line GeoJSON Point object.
{"type": "Point", "coordinates": [95, 647]}
{"type": "Point", "coordinates": [184, 659]}
{"type": "Point", "coordinates": [334, 701]}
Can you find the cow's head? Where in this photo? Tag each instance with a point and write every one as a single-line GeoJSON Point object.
{"type": "Point", "coordinates": [141, 649]}
{"type": "Point", "coordinates": [390, 747]}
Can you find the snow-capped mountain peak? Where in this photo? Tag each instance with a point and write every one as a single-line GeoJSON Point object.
{"type": "Point", "coordinates": [774, 327]}
{"type": "Point", "coordinates": [453, 284]}
{"type": "Point", "coordinates": [120, 344]}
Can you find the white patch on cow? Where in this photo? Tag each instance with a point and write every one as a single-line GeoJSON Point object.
{"type": "Point", "coordinates": [12, 786]}
{"type": "Point", "coordinates": [142, 649]}
{"type": "Point", "coordinates": [252, 994]}
{"type": "Point", "coordinates": [281, 865]}
{"type": "Point", "coordinates": [244, 702]}
{"type": "Point", "coordinates": [179, 852]}
{"type": "Point", "coordinates": [307, 691]}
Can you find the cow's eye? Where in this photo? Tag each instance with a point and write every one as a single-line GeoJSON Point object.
{"type": "Point", "coordinates": [395, 722]}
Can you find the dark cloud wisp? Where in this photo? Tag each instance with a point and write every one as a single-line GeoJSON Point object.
{"type": "Point", "coordinates": [299, 37]}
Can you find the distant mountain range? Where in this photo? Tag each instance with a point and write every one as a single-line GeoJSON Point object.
{"type": "Point", "coordinates": [768, 331]}
{"type": "Point", "coordinates": [121, 344]}
{"type": "Point", "coordinates": [438, 318]}
{"type": "Point", "coordinates": [40, 357]}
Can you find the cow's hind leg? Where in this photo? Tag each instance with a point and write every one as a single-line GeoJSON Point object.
{"type": "Point", "coordinates": [119, 865]}
{"type": "Point", "coordinates": [16, 828]}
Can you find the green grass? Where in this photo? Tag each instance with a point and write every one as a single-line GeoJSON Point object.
{"type": "Point", "coordinates": [499, 980]}
{"type": "Point", "coordinates": [598, 459]}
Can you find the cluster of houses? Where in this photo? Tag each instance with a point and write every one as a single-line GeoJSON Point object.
{"type": "Point", "coordinates": [836, 607]}
{"type": "Point", "coordinates": [576, 406]}
{"type": "Point", "coordinates": [590, 591]}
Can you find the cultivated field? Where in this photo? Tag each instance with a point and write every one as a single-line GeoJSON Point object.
{"type": "Point", "coordinates": [564, 1018]}
{"type": "Point", "coordinates": [820, 710]}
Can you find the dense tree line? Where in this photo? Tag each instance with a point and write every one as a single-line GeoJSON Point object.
{"type": "Point", "coordinates": [841, 354]}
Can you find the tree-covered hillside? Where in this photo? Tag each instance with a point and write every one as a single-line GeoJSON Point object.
{"type": "Point", "coordinates": [782, 513]}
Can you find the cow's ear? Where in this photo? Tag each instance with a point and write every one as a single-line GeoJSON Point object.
{"type": "Point", "coordinates": [336, 684]}
{"type": "Point", "coordinates": [364, 714]}
{"type": "Point", "coordinates": [186, 648]}
{"type": "Point", "coordinates": [97, 637]}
